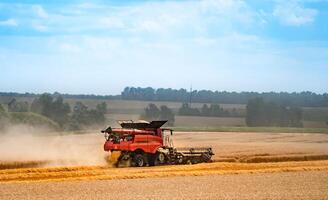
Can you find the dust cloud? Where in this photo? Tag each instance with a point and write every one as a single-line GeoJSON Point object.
{"type": "Point", "coordinates": [29, 144]}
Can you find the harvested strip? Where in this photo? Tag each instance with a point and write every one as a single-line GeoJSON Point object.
{"type": "Point", "coordinates": [107, 173]}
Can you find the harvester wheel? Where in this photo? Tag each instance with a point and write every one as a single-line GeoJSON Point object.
{"type": "Point", "coordinates": [159, 158]}
{"type": "Point", "coordinates": [194, 161]}
{"type": "Point", "coordinates": [139, 160]}
{"type": "Point", "coordinates": [124, 160]}
{"type": "Point", "coordinates": [180, 158]}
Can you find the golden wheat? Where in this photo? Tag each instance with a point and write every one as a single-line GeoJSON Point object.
{"type": "Point", "coordinates": [108, 173]}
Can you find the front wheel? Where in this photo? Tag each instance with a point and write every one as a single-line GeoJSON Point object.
{"type": "Point", "coordinates": [139, 160]}
{"type": "Point", "coordinates": [157, 159]}
{"type": "Point", "coordinates": [160, 158]}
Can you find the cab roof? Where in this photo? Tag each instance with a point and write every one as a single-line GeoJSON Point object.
{"type": "Point", "coordinates": [141, 124]}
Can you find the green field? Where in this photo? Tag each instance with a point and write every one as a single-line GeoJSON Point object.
{"type": "Point", "coordinates": [137, 107]}
{"type": "Point", "coordinates": [126, 106]}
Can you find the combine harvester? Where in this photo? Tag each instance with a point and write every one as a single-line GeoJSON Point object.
{"type": "Point", "coordinates": [145, 143]}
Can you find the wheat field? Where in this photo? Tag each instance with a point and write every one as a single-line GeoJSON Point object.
{"type": "Point", "coordinates": [270, 165]}
{"type": "Point", "coordinates": [109, 173]}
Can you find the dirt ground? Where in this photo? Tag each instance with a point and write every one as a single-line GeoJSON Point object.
{"type": "Point", "coordinates": [247, 166]}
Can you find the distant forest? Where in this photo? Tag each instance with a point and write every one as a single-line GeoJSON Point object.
{"type": "Point", "coordinates": [302, 99]}
{"type": "Point", "coordinates": [52, 111]}
{"type": "Point", "coordinates": [66, 96]}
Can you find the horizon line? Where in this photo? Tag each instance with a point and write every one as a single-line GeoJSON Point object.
{"type": "Point", "coordinates": [90, 94]}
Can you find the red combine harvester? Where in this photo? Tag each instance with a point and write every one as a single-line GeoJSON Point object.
{"type": "Point", "coordinates": [147, 144]}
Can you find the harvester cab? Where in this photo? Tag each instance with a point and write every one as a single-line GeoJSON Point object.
{"type": "Point", "coordinates": [145, 143]}
{"type": "Point", "coordinates": [167, 139]}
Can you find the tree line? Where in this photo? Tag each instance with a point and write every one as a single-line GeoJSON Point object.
{"type": "Point", "coordinates": [214, 110]}
{"type": "Point", "coordinates": [262, 113]}
{"type": "Point", "coordinates": [303, 99]}
{"type": "Point", "coordinates": [258, 113]}
{"type": "Point", "coordinates": [54, 108]}
{"type": "Point", "coordinates": [152, 112]}
{"type": "Point", "coordinates": [66, 96]}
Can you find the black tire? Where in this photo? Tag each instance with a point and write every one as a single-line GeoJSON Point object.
{"type": "Point", "coordinates": [139, 160]}
{"type": "Point", "coordinates": [158, 159]}
{"type": "Point", "coordinates": [180, 159]}
{"type": "Point", "coordinates": [194, 160]}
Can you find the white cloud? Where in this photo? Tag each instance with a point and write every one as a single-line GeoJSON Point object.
{"type": "Point", "coordinates": [87, 6]}
{"type": "Point", "coordinates": [9, 22]}
{"type": "Point", "coordinates": [294, 14]}
{"type": "Point", "coordinates": [159, 18]}
{"type": "Point", "coordinates": [161, 23]}
{"type": "Point", "coordinates": [229, 41]}
{"type": "Point", "coordinates": [40, 28]}
{"type": "Point", "coordinates": [150, 26]}
{"type": "Point", "coordinates": [111, 22]}
{"type": "Point", "coordinates": [221, 6]}
{"type": "Point", "coordinates": [176, 17]}
{"type": "Point", "coordinates": [40, 12]}
{"type": "Point", "coordinates": [69, 48]}
{"type": "Point", "coordinates": [233, 10]}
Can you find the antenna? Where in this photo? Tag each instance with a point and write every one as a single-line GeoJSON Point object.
{"type": "Point", "coordinates": [190, 96]}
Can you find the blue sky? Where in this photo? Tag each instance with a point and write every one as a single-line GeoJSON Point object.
{"type": "Point", "coordinates": [102, 46]}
